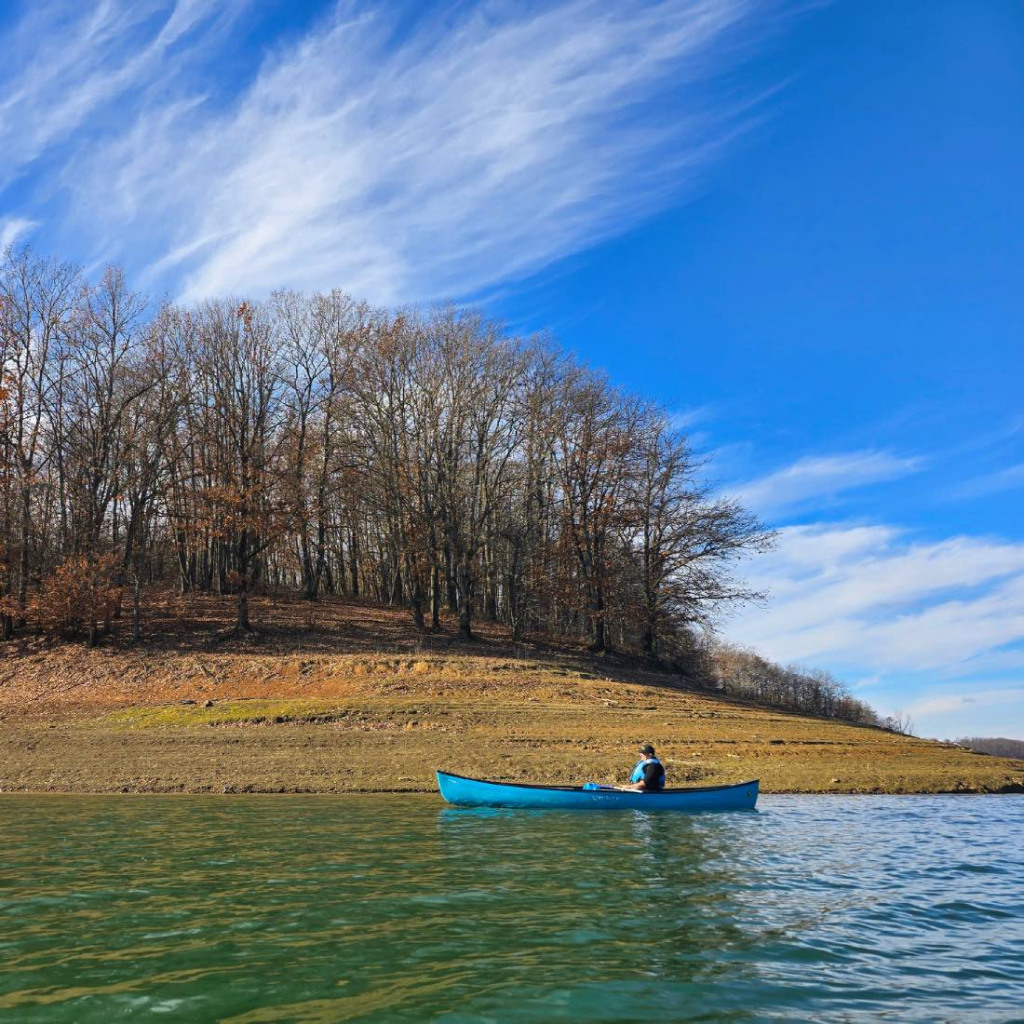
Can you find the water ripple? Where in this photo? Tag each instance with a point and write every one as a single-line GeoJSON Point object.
{"type": "Point", "coordinates": [396, 909]}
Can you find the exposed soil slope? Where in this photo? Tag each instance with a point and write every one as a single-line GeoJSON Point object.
{"type": "Point", "coordinates": [343, 696]}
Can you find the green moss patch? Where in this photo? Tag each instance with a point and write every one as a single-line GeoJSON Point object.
{"type": "Point", "coordinates": [234, 712]}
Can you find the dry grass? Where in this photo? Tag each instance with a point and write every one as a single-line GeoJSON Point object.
{"type": "Point", "coordinates": [360, 702]}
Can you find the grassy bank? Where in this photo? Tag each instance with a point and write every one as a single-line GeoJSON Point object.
{"type": "Point", "coordinates": [365, 705]}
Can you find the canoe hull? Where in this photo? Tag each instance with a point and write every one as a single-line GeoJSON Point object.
{"type": "Point", "coordinates": [480, 793]}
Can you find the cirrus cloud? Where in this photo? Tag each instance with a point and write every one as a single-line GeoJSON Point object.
{"type": "Point", "coordinates": [814, 480]}
{"type": "Point", "coordinates": [402, 158]}
{"type": "Point", "coordinates": [932, 626]}
{"type": "Point", "coordinates": [870, 596]}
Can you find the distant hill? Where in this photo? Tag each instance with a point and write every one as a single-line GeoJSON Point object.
{"type": "Point", "coordinates": [999, 746]}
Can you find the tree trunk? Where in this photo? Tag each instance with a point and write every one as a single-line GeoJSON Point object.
{"type": "Point", "coordinates": [452, 587]}
{"type": "Point", "coordinates": [650, 625]}
{"type": "Point", "coordinates": [321, 556]}
{"type": "Point", "coordinates": [464, 602]}
{"type": "Point", "coordinates": [492, 598]}
{"type": "Point", "coordinates": [243, 581]}
{"type": "Point", "coordinates": [353, 563]}
{"type": "Point", "coordinates": [243, 608]}
{"type": "Point", "coordinates": [136, 624]}
{"type": "Point", "coordinates": [417, 605]}
{"type": "Point", "coordinates": [26, 522]}
{"type": "Point", "coordinates": [599, 632]}
{"type": "Point", "coordinates": [435, 597]}
{"type": "Point", "coordinates": [310, 583]}
{"type": "Point", "coordinates": [649, 640]}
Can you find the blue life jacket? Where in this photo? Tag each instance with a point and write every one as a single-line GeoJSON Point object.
{"type": "Point", "coordinates": [638, 771]}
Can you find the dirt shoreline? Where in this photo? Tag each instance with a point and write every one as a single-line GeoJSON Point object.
{"type": "Point", "coordinates": [167, 764]}
{"type": "Point", "coordinates": [379, 740]}
{"type": "Point", "coordinates": [362, 704]}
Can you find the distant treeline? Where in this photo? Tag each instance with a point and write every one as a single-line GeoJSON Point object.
{"type": "Point", "coordinates": [996, 745]}
{"type": "Point", "coordinates": [423, 458]}
{"type": "Point", "coordinates": [747, 675]}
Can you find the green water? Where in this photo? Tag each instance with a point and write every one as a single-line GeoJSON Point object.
{"type": "Point", "coordinates": [398, 909]}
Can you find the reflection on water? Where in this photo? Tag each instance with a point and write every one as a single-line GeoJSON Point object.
{"type": "Point", "coordinates": [397, 909]}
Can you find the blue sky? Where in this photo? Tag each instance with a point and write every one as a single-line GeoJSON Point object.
{"type": "Point", "coordinates": [801, 225]}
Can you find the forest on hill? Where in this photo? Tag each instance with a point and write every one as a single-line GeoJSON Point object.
{"type": "Point", "coordinates": [423, 458]}
{"type": "Point", "coordinates": [418, 458]}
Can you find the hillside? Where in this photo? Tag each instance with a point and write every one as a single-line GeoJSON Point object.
{"type": "Point", "coordinates": [343, 696]}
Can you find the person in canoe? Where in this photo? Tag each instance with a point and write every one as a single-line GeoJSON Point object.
{"type": "Point", "coordinates": [648, 776]}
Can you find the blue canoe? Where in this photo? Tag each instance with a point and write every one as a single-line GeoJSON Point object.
{"type": "Point", "coordinates": [479, 793]}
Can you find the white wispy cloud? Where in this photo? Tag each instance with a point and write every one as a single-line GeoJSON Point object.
{"type": "Point", "coordinates": [14, 229]}
{"type": "Point", "coordinates": [935, 626]}
{"type": "Point", "coordinates": [685, 419]}
{"type": "Point", "coordinates": [945, 703]}
{"type": "Point", "coordinates": [66, 65]}
{"type": "Point", "coordinates": [1009, 479]}
{"type": "Point", "coordinates": [981, 711]}
{"type": "Point", "coordinates": [869, 597]}
{"type": "Point", "coordinates": [817, 480]}
{"type": "Point", "coordinates": [468, 146]}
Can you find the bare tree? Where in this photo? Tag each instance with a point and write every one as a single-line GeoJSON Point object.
{"type": "Point", "coordinates": [687, 541]}
{"type": "Point", "coordinates": [594, 458]}
{"type": "Point", "coordinates": [424, 458]}
{"type": "Point", "coordinates": [899, 722]}
{"type": "Point", "coordinates": [38, 300]}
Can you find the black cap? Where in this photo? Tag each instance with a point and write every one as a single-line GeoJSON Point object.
{"type": "Point", "coordinates": [647, 749]}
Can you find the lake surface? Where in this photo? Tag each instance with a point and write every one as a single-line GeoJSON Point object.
{"type": "Point", "coordinates": [263, 909]}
